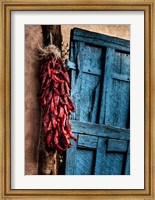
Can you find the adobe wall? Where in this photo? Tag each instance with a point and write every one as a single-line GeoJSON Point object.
{"type": "Point", "coordinates": [121, 31]}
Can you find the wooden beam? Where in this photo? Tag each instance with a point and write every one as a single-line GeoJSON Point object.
{"type": "Point", "coordinates": [48, 160]}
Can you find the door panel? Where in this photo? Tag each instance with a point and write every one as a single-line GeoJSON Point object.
{"type": "Point", "coordinates": [87, 141]}
{"type": "Point", "coordinates": [100, 81]}
{"type": "Point", "coordinates": [71, 158]}
{"type": "Point", "coordinates": [116, 98]}
{"type": "Point", "coordinates": [97, 156]}
{"type": "Point", "coordinates": [119, 104]}
{"type": "Point", "coordinates": [86, 81]}
{"type": "Point", "coordinates": [116, 146]}
{"type": "Point", "coordinates": [84, 161]}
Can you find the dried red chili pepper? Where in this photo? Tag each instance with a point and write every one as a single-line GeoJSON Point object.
{"type": "Point", "coordinates": [49, 97]}
{"type": "Point", "coordinates": [57, 79]}
{"type": "Point", "coordinates": [52, 106]}
{"type": "Point", "coordinates": [65, 76]}
{"type": "Point", "coordinates": [73, 137]}
{"type": "Point", "coordinates": [67, 88]}
{"type": "Point", "coordinates": [63, 120]}
{"type": "Point", "coordinates": [55, 84]}
{"type": "Point", "coordinates": [49, 126]}
{"type": "Point", "coordinates": [62, 89]}
{"type": "Point", "coordinates": [54, 122]}
{"type": "Point", "coordinates": [48, 67]}
{"type": "Point", "coordinates": [56, 98]}
{"type": "Point", "coordinates": [61, 111]}
{"type": "Point", "coordinates": [66, 110]}
{"type": "Point", "coordinates": [56, 141]}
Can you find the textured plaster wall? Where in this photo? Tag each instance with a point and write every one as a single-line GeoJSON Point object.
{"type": "Point", "coordinates": [33, 37]}
{"type": "Point", "coordinates": [121, 31]}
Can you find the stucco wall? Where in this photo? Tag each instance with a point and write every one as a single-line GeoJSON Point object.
{"type": "Point", "coordinates": [121, 31]}
{"type": "Point", "coordinates": [33, 37]}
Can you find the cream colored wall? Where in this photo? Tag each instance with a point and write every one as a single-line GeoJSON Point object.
{"type": "Point", "coordinates": [121, 31]}
{"type": "Point", "coordinates": [33, 37]}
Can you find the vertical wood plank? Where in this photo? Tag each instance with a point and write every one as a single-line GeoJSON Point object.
{"type": "Point", "coordinates": [84, 162]}
{"type": "Point", "coordinates": [71, 52]}
{"type": "Point", "coordinates": [76, 91]}
{"type": "Point", "coordinates": [125, 64]}
{"type": "Point", "coordinates": [112, 65]}
{"type": "Point", "coordinates": [107, 163]}
{"type": "Point", "coordinates": [88, 89]}
{"type": "Point", "coordinates": [125, 69]}
{"type": "Point", "coordinates": [92, 62]}
{"type": "Point", "coordinates": [116, 94]}
{"type": "Point", "coordinates": [95, 104]}
{"type": "Point", "coordinates": [114, 163]}
{"type": "Point", "coordinates": [127, 167]}
{"type": "Point", "coordinates": [107, 84]}
{"type": "Point", "coordinates": [120, 106]}
{"type": "Point", "coordinates": [100, 157]}
{"type": "Point", "coordinates": [72, 73]}
{"type": "Point", "coordinates": [71, 158]}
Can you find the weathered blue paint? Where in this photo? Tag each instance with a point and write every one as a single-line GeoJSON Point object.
{"type": "Point", "coordinates": [117, 87]}
{"type": "Point", "coordinates": [115, 145]}
{"type": "Point", "coordinates": [100, 39]}
{"type": "Point", "coordinates": [100, 81]}
{"type": "Point", "coordinates": [71, 158]}
{"type": "Point", "coordinates": [107, 163]}
{"type": "Point", "coordinates": [127, 167]}
{"type": "Point", "coordinates": [100, 130]}
{"type": "Point", "coordinates": [87, 141]}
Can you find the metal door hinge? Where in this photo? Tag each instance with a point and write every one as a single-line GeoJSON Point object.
{"type": "Point", "coordinates": [70, 65]}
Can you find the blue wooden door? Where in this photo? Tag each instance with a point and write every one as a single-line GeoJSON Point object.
{"type": "Point", "coordinates": [100, 80]}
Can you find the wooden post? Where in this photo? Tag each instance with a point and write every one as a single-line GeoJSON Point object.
{"type": "Point", "coordinates": [48, 161]}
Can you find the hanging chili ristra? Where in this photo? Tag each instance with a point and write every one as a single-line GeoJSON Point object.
{"type": "Point", "coordinates": [56, 103]}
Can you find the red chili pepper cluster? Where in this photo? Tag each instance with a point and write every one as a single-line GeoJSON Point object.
{"type": "Point", "coordinates": [56, 103]}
